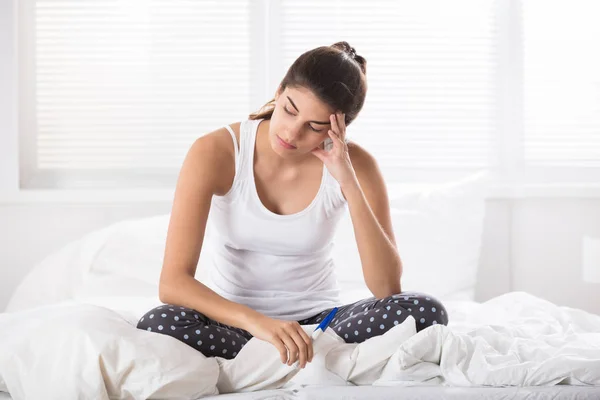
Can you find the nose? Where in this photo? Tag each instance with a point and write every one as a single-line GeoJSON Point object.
{"type": "Point", "coordinates": [292, 133]}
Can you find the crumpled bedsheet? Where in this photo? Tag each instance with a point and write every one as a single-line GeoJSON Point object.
{"type": "Point", "coordinates": [73, 350]}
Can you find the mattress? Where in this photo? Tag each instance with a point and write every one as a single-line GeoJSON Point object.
{"type": "Point", "coordinates": [421, 393]}
{"type": "Point", "coordinates": [412, 393]}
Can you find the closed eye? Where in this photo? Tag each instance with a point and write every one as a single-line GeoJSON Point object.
{"type": "Point", "coordinates": [316, 130]}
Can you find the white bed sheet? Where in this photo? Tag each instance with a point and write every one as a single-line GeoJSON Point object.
{"type": "Point", "coordinates": [522, 313]}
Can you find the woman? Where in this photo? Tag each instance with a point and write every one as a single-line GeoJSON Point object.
{"type": "Point", "coordinates": [276, 186]}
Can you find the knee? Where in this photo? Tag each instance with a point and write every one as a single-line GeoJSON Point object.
{"type": "Point", "coordinates": [434, 308]}
{"type": "Point", "coordinates": [167, 313]}
{"type": "Point", "coordinates": [425, 308]}
{"type": "Point", "coordinates": [149, 318]}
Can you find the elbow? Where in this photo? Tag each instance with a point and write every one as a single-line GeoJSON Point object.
{"type": "Point", "coordinates": [387, 287]}
{"type": "Point", "coordinates": [162, 293]}
{"type": "Point", "coordinates": [169, 287]}
{"type": "Point", "coordinates": [388, 291]}
{"type": "Point", "coordinates": [164, 290]}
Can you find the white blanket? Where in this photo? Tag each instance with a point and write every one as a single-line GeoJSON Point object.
{"type": "Point", "coordinates": [73, 350]}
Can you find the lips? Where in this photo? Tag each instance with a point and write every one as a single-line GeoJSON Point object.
{"type": "Point", "coordinates": [285, 144]}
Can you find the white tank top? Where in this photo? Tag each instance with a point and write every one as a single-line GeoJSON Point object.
{"type": "Point", "coordinates": [278, 265]}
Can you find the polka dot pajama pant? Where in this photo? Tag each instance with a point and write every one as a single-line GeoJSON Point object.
{"type": "Point", "coordinates": [354, 322]}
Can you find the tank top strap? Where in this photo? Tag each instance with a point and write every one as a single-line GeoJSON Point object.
{"type": "Point", "coordinates": [236, 147]}
{"type": "Point", "coordinates": [247, 143]}
{"type": "Point", "coordinates": [241, 149]}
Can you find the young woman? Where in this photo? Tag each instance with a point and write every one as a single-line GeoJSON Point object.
{"type": "Point", "coordinates": [276, 185]}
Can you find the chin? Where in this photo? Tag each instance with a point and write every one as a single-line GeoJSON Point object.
{"type": "Point", "coordinates": [275, 145]}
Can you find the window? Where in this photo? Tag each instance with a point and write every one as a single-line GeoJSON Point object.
{"type": "Point", "coordinates": [561, 86]}
{"type": "Point", "coordinates": [113, 93]}
{"type": "Point", "coordinates": [431, 70]}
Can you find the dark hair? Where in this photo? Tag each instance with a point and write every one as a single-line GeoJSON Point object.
{"type": "Point", "coordinates": [335, 74]}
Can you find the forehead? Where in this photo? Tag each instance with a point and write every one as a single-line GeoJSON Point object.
{"type": "Point", "coordinates": [306, 101]}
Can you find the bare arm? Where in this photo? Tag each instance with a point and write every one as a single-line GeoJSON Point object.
{"type": "Point", "coordinates": [370, 212]}
{"type": "Point", "coordinates": [206, 169]}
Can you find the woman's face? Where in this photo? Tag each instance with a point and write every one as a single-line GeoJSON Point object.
{"type": "Point", "coordinates": [299, 119]}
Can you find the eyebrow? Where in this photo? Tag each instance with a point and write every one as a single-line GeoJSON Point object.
{"type": "Point", "coordinates": [316, 122]}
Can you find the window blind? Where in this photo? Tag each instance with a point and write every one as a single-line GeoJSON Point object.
{"type": "Point", "coordinates": [431, 73]}
{"type": "Point", "coordinates": [113, 93]}
{"type": "Point", "coordinates": [127, 86]}
{"type": "Point", "coordinates": [561, 83]}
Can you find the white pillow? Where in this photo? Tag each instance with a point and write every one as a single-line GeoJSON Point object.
{"type": "Point", "coordinates": [438, 230]}
{"type": "Point", "coordinates": [59, 275]}
{"type": "Point", "coordinates": [122, 260]}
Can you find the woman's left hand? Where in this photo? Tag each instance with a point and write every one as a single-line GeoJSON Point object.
{"type": "Point", "coordinates": [337, 160]}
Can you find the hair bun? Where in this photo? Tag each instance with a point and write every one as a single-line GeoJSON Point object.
{"type": "Point", "coordinates": [352, 52]}
{"type": "Point", "coordinates": [346, 48]}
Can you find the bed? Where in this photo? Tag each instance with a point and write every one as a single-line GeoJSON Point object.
{"type": "Point", "coordinates": [91, 349]}
{"type": "Point", "coordinates": [69, 329]}
{"type": "Point", "coordinates": [422, 393]}
{"type": "Point", "coordinates": [412, 393]}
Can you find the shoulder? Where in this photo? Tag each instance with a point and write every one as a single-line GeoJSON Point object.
{"type": "Point", "coordinates": [363, 162]}
{"type": "Point", "coordinates": [215, 151]}
{"type": "Point", "coordinates": [367, 172]}
{"type": "Point", "coordinates": [218, 143]}
{"type": "Point", "coordinates": [220, 139]}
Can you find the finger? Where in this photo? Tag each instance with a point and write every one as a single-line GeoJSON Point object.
{"type": "Point", "coordinates": [336, 139]}
{"type": "Point", "coordinates": [334, 123]}
{"type": "Point", "coordinates": [302, 347]}
{"type": "Point", "coordinates": [281, 348]}
{"type": "Point", "coordinates": [309, 344]}
{"type": "Point", "coordinates": [342, 126]}
{"type": "Point", "coordinates": [291, 346]}
{"type": "Point", "coordinates": [340, 139]}
{"type": "Point", "coordinates": [342, 120]}
{"type": "Point", "coordinates": [319, 153]}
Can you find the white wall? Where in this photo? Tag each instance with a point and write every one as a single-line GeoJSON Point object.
{"type": "Point", "coordinates": [530, 244]}
{"type": "Point", "coordinates": [547, 250]}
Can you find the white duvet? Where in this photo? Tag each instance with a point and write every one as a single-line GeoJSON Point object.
{"type": "Point", "coordinates": [75, 350]}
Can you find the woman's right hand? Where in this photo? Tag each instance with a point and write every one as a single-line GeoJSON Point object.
{"type": "Point", "coordinates": [286, 336]}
